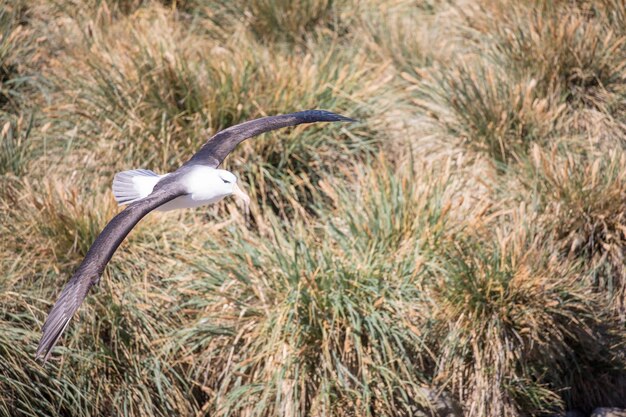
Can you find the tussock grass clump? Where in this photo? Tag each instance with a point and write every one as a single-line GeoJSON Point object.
{"type": "Point", "coordinates": [573, 52]}
{"type": "Point", "coordinates": [62, 222]}
{"type": "Point", "coordinates": [192, 86]}
{"type": "Point", "coordinates": [397, 32]}
{"type": "Point", "coordinates": [327, 318]}
{"type": "Point", "coordinates": [517, 330]}
{"type": "Point", "coordinates": [405, 207]}
{"type": "Point", "coordinates": [35, 397]}
{"type": "Point", "coordinates": [284, 23]}
{"type": "Point", "coordinates": [285, 20]}
{"type": "Point", "coordinates": [15, 149]}
{"type": "Point", "coordinates": [18, 46]}
{"type": "Point", "coordinates": [538, 70]}
{"type": "Point", "coordinates": [583, 203]}
{"type": "Point", "coordinates": [107, 361]}
{"type": "Point", "coordinates": [561, 46]}
{"type": "Point", "coordinates": [489, 111]}
{"type": "Point", "coordinates": [121, 376]}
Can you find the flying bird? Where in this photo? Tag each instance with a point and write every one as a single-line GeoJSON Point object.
{"type": "Point", "coordinates": [197, 182]}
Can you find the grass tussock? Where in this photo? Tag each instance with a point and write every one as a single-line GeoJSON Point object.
{"type": "Point", "coordinates": [488, 113]}
{"type": "Point", "coordinates": [273, 20]}
{"type": "Point", "coordinates": [515, 324]}
{"type": "Point", "coordinates": [55, 224]}
{"type": "Point", "coordinates": [583, 203]}
{"type": "Point", "coordinates": [15, 145]}
{"type": "Point", "coordinates": [536, 38]}
{"type": "Point", "coordinates": [396, 32]}
{"type": "Point", "coordinates": [330, 317]}
{"type": "Point", "coordinates": [60, 219]}
{"type": "Point", "coordinates": [195, 86]}
{"type": "Point", "coordinates": [371, 279]}
{"type": "Point", "coordinates": [575, 52]}
{"type": "Point", "coordinates": [18, 54]}
{"type": "Point", "coordinates": [529, 73]}
{"type": "Point", "coordinates": [278, 22]}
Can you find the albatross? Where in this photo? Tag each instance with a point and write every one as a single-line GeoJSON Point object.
{"type": "Point", "coordinates": [197, 182]}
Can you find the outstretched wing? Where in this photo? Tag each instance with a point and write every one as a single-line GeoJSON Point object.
{"type": "Point", "coordinates": [222, 143]}
{"type": "Point", "coordinates": [93, 265]}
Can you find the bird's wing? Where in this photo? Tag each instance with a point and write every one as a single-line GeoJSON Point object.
{"type": "Point", "coordinates": [222, 143]}
{"type": "Point", "coordinates": [99, 254]}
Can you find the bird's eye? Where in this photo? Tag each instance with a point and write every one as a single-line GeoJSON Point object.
{"type": "Point", "coordinates": [225, 182]}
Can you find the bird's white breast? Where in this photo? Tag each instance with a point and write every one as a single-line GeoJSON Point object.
{"type": "Point", "coordinates": [203, 185]}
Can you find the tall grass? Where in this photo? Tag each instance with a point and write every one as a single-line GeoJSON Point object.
{"type": "Point", "coordinates": [371, 278]}
{"type": "Point", "coordinates": [536, 71]}
{"type": "Point", "coordinates": [328, 316]}
{"type": "Point", "coordinates": [399, 32]}
{"type": "Point", "coordinates": [15, 146]}
{"type": "Point", "coordinates": [573, 51]}
{"type": "Point", "coordinates": [582, 202]}
{"type": "Point", "coordinates": [489, 112]}
{"type": "Point", "coordinates": [18, 49]}
{"type": "Point", "coordinates": [286, 20]}
{"type": "Point", "coordinates": [515, 326]}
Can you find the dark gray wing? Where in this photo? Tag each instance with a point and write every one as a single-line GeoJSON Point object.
{"type": "Point", "coordinates": [222, 143]}
{"type": "Point", "coordinates": [99, 254]}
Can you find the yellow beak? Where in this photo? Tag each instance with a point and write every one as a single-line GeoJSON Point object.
{"type": "Point", "coordinates": [237, 192]}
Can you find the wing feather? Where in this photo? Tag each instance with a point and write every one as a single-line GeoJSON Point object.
{"type": "Point", "coordinates": [99, 254]}
{"type": "Point", "coordinates": [213, 152]}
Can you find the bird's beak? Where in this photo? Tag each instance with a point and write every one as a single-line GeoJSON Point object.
{"type": "Point", "coordinates": [238, 192]}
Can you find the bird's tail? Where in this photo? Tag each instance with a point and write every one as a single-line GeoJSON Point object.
{"type": "Point", "coordinates": [133, 185]}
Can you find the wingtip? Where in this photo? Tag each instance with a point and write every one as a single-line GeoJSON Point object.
{"type": "Point", "coordinates": [326, 116]}
{"type": "Point", "coordinates": [340, 118]}
{"type": "Point", "coordinates": [43, 351]}
{"type": "Point", "coordinates": [346, 119]}
{"type": "Point", "coordinates": [41, 356]}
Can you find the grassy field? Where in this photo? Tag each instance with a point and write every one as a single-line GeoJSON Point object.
{"type": "Point", "coordinates": [465, 239]}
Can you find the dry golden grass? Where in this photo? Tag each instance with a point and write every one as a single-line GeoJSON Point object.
{"type": "Point", "coordinates": [372, 276]}
{"type": "Point", "coordinates": [482, 108]}
{"type": "Point", "coordinates": [537, 319]}
{"type": "Point", "coordinates": [582, 201]}
{"type": "Point", "coordinates": [574, 52]}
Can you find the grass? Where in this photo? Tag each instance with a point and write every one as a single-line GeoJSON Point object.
{"type": "Point", "coordinates": [16, 149]}
{"type": "Point", "coordinates": [276, 20]}
{"type": "Point", "coordinates": [582, 200]}
{"type": "Point", "coordinates": [18, 47]}
{"type": "Point", "coordinates": [372, 278]}
{"type": "Point", "coordinates": [587, 74]}
{"type": "Point", "coordinates": [530, 73]}
{"type": "Point", "coordinates": [317, 325]}
{"type": "Point", "coordinates": [390, 32]}
{"type": "Point", "coordinates": [487, 112]}
{"type": "Point", "coordinates": [537, 321]}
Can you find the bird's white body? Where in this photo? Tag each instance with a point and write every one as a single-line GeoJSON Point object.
{"type": "Point", "coordinates": [204, 185]}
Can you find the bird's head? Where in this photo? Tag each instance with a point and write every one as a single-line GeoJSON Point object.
{"type": "Point", "coordinates": [230, 184]}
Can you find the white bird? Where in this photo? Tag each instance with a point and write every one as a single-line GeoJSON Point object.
{"type": "Point", "coordinates": [197, 182]}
